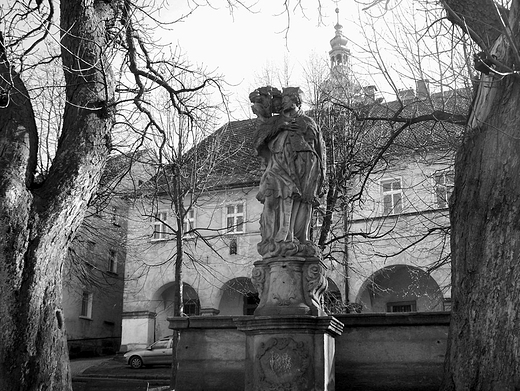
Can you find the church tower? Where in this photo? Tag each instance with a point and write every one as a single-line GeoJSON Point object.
{"type": "Point", "coordinates": [339, 53]}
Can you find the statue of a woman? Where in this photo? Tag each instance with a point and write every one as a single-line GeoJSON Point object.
{"type": "Point", "coordinates": [294, 151]}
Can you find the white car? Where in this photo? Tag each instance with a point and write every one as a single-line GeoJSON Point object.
{"type": "Point", "coordinates": [160, 352]}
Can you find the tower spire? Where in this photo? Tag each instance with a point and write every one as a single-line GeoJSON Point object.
{"type": "Point", "coordinates": [339, 53]}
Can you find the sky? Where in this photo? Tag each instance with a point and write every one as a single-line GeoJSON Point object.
{"type": "Point", "coordinates": [242, 45]}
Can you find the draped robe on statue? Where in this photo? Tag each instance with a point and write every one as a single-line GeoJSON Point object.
{"type": "Point", "coordinates": [294, 152]}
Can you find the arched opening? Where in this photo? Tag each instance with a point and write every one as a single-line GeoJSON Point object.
{"type": "Point", "coordinates": [332, 299]}
{"type": "Point", "coordinates": [400, 288]}
{"type": "Point", "coordinates": [163, 306]}
{"type": "Point", "coordinates": [239, 297]}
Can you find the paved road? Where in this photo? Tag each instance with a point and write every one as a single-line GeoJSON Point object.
{"type": "Point", "coordinates": [112, 373]}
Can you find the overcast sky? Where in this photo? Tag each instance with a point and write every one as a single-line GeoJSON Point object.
{"type": "Point", "coordinates": [242, 45]}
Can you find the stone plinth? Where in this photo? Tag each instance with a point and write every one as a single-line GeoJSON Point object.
{"type": "Point", "coordinates": [289, 286]}
{"type": "Point", "coordinates": [294, 353]}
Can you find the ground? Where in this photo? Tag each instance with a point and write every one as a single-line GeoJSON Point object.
{"type": "Point", "coordinates": [112, 374]}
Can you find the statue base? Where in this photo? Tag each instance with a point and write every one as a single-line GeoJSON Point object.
{"type": "Point", "coordinates": [294, 353]}
{"type": "Point", "coordinates": [290, 286]}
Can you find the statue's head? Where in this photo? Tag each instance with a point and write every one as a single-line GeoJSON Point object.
{"type": "Point", "coordinates": [266, 101]}
{"type": "Point", "coordinates": [292, 98]}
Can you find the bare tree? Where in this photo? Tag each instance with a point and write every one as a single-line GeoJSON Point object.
{"type": "Point", "coordinates": [484, 204]}
{"type": "Point", "coordinates": [39, 218]}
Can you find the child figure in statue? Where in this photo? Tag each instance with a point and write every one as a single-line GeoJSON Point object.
{"type": "Point", "coordinates": [293, 149]}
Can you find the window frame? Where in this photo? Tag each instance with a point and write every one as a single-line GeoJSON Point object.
{"type": "Point", "coordinates": [112, 261]}
{"type": "Point", "coordinates": [393, 192]}
{"type": "Point", "coordinates": [411, 303]}
{"type": "Point", "coordinates": [160, 222]}
{"type": "Point", "coordinates": [233, 229]}
{"type": "Point", "coordinates": [86, 305]}
{"type": "Point", "coordinates": [447, 185]}
{"type": "Point", "coordinates": [188, 223]}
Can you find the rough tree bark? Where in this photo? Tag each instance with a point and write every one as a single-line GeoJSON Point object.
{"type": "Point", "coordinates": [37, 222]}
{"type": "Point", "coordinates": [484, 347]}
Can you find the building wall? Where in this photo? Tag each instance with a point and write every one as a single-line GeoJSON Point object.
{"type": "Point", "coordinates": [96, 261]}
{"type": "Point", "coordinates": [95, 267]}
{"type": "Point", "coordinates": [218, 277]}
{"type": "Point", "coordinates": [391, 352]}
{"type": "Point", "coordinates": [392, 258]}
{"type": "Point", "coordinates": [416, 237]}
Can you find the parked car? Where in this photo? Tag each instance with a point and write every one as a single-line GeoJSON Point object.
{"type": "Point", "coordinates": [160, 352]}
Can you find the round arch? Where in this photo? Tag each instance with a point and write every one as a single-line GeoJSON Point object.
{"type": "Point", "coordinates": [332, 299]}
{"type": "Point", "coordinates": [239, 297]}
{"type": "Point", "coordinates": [162, 305]}
{"type": "Point", "coordinates": [400, 288]}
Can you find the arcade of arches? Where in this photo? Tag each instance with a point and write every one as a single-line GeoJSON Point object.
{"type": "Point", "coordinates": [400, 288]}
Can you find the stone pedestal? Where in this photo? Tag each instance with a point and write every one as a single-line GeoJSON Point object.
{"type": "Point", "coordinates": [293, 353]}
{"type": "Point", "coordinates": [290, 286]}
{"type": "Point", "coordinates": [290, 341]}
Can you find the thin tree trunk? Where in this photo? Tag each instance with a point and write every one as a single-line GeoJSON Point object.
{"type": "Point", "coordinates": [178, 298]}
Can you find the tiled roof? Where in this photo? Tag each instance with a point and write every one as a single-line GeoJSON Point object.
{"type": "Point", "coordinates": [228, 159]}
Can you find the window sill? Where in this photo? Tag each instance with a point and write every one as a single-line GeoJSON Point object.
{"type": "Point", "coordinates": [85, 318]}
{"type": "Point", "coordinates": [158, 240]}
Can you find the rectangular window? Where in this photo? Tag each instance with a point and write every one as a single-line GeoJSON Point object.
{"type": "Point", "coordinates": [112, 261]}
{"type": "Point", "coordinates": [392, 196]}
{"type": "Point", "coordinates": [189, 221]}
{"type": "Point", "coordinates": [233, 247]}
{"type": "Point", "coordinates": [443, 188]}
{"type": "Point", "coordinates": [114, 215]}
{"type": "Point", "coordinates": [86, 305]}
{"type": "Point", "coordinates": [401, 306]}
{"type": "Point", "coordinates": [159, 226]}
{"type": "Point", "coordinates": [235, 218]}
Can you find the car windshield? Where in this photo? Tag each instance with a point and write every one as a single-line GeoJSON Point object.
{"type": "Point", "coordinates": [160, 345]}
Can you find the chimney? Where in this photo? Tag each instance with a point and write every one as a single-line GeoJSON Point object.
{"type": "Point", "coordinates": [422, 88]}
{"type": "Point", "coordinates": [406, 95]}
{"type": "Point", "coordinates": [370, 92]}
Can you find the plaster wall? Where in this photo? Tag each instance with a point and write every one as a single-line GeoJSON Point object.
{"type": "Point", "coordinates": [376, 352]}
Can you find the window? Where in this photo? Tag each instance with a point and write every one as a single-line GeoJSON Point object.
{"type": "Point", "coordinates": [162, 344]}
{"type": "Point", "coordinates": [114, 216]}
{"type": "Point", "coordinates": [189, 221]}
{"type": "Point", "coordinates": [316, 222]}
{"type": "Point", "coordinates": [443, 188]}
{"type": "Point", "coordinates": [159, 226]}
{"type": "Point", "coordinates": [112, 261]}
{"type": "Point", "coordinates": [191, 307]}
{"type": "Point", "coordinates": [233, 246]}
{"type": "Point", "coordinates": [401, 306]}
{"type": "Point", "coordinates": [251, 301]}
{"type": "Point", "coordinates": [235, 218]}
{"type": "Point", "coordinates": [392, 196]}
{"type": "Point", "coordinates": [86, 305]}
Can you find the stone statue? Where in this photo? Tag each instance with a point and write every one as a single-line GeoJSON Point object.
{"type": "Point", "coordinates": [294, 152]}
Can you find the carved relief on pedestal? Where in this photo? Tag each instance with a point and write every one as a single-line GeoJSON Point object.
{"type": "Point", "coordinates": [258, 277]}
{"type": "Point", "coordinates": [315, 285]}
{"type": "Point", "coordinates": [283, 365]}
{"type": "Point", "coordinates": [285, 285]}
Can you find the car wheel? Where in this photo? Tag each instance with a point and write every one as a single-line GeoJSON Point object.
{"type": "Point", "coordinates": [136, 362]}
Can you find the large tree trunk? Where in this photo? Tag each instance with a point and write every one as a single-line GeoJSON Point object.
{"type": "Point", "coordinates": [484, 347]}
{"type": "Point", "coordinates": [38, 222]}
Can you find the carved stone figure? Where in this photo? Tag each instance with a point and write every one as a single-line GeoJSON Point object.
{"type": "Point", "coordinates": [294, 152]}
